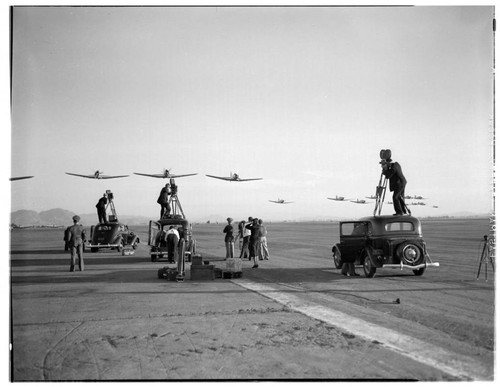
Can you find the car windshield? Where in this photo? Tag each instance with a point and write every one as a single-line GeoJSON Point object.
{"type": "Point", "coordinates": [399, 226]}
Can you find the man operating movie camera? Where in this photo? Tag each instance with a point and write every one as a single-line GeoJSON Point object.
{"type": "Point", "coordinates": [397, 182]}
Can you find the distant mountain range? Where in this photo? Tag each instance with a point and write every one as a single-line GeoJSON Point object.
{"type": "Point", "coordinates": [61, 217]}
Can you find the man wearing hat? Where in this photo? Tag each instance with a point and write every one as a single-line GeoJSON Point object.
{"type": "Point", "coordinates": [163, 200]}
{"type": "Point", "coordinates": [76, 238]}
{"type": "Point", "coordinates": [397, 182]}
{"type": "Point", "coordinates": [101, 208]}
{"type": "Point", "coordinates": [229, 238]}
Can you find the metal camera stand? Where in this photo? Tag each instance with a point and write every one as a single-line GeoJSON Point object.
{"type": "Point", "coordinates": [486, 255]}
{"type": "Point", "coordinates": [380, 194]}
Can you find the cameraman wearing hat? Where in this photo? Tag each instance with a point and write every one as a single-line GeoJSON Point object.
{"type": "Point", "coordinates": [397, 181]}
{"type": "Point", "coordinates": [76, 238]}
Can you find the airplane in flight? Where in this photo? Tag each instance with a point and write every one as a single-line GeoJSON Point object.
{"type": "Point", "coordinates": [96, 175]}
{"type": "Point", "coordinates": [338, 198]}
{"type": "Point", "coordinates": [20, 178]}
{"type": "Point", "coordinates": [234, 177]}
{"type": "Point", "coordinates": [416, 204]}
{"type": "Point", "coordinates": [371, 197]}
{"type": "Point", "coordinates": [280, 201]}
{"type": "Point", "coordinates": [165, 175]}
{"type": "Point", "coordinates": [358, 201]}
{"type": "Point", "coordinates": [416, 197]}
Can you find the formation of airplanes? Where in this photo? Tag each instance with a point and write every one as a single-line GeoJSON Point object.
{"type": "Point", "coordinates": [280, 201]}
{"type": "Point", "coordinates": [232, 177]}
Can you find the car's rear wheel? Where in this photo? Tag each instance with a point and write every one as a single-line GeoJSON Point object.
{"type": "Point", "coordinates": [337, 259]}
{"type": "Point", "coordinates": [410, 253]}
{"type": "Point", "coordinates": [368, 267]}
{"type": "Point", "coordinates": [94, 249]}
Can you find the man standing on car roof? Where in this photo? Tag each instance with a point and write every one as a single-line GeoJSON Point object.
{"type": "Point", "coordinates": [101, 208]}
{"type": "Point", "coordinates": [163, 200]}
{"type": "Point", "coordinates": [76, 238]}
{"type": "Point", "coordinates": [397, 184]}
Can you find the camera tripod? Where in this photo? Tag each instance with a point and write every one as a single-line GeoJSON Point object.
{"type": "Point", "coordinates": [380, 196]}
{"type": "Point", "coordinates": [486, 255]}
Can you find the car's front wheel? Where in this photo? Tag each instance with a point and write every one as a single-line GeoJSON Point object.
{"type": "Point", "coordinates": [337, 259]}
{"type": "Point", "coordinates": [368, 267]}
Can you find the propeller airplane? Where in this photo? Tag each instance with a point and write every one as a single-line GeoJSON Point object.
{"type": "Point", "coordinates": [165, 175]}
{"type": "Point", "coordinates": [233, 177]}
{"type": "Point", "coordinates": [280, 201]}
{"type": "Point", "coordinates": [20, 178]}
{"type": "Point", "coordinates": [358, 201]}
{"type": "Point", "coordinates": [415, 197]}
{"type": "Point", "coordinates": [338, 198]}
{"type": "Point", "coordinates": [96, 175]}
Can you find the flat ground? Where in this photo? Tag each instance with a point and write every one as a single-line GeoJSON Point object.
{"type": "Point", "coordinates": [293, 318]}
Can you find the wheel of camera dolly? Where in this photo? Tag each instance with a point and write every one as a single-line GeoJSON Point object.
{"type": "Point", "coordinates": [410, 253]}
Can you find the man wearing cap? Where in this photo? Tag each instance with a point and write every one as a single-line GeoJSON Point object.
{"type": "Point", "coordinates": [229, 238]}
{"type": "Point", "coordinates": [76, 238]}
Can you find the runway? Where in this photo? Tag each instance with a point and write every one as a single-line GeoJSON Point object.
{"type": "Point", "coordinates": [293, 318]}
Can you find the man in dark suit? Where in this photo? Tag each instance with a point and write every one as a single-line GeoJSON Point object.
{"type": "Point", "coordinates": [397, 184]}
{"type": "Point", "coordinates": [101, 208]}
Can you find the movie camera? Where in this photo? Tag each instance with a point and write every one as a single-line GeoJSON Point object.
{"type": "Point", "coordinates": [173, 187]}
{"type": "Point", "coordinates": [109, 194]}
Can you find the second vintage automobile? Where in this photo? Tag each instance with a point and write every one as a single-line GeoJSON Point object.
{"type": "Point", "coordinates": [383, 242]}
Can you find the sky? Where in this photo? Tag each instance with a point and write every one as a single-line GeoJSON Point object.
{"type": "Point", "coordinates": [303, 97]}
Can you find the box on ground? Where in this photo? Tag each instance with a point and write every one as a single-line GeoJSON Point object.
{"type": "Point", "coordinates": [202, 272]}
{"type": "Point", "coordinates": [196, 260]}
{"type": "Point", "coordinates": [233, 265]}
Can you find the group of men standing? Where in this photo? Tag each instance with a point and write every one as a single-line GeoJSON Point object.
{"type": "Point", "coordinates": [253, 237]}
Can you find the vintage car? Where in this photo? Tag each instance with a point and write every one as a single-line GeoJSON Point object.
{"type": "Point", "coordinates": [112, 235]}
{"type": "Point", "coordinates": [383, 242]}
{"type": "Point", "coordinates": [186, 245]}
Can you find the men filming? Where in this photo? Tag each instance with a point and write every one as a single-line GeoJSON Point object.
{"type": "Point", "coordinates": [101, 208]}
{"type": "Point", "coordinates": [397, 181]}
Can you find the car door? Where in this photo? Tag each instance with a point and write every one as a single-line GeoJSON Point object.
{"type": "Point", "coordinates": [353, 236]}
{"type": "Point", "coordinates": [154, 228]}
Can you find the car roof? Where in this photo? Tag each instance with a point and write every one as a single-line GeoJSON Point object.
{"type": "Point", "coordinates": [390, 219]}
{"type": "Point", "coordinates": [174, 221]}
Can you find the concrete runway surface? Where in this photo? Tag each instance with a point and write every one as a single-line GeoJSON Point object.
{"type": "Point", "coordinates": [294, 318]}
